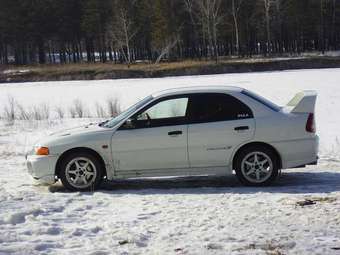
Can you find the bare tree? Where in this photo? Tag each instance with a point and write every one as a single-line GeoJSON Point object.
{"type": "Point", "coordinates": [208, 15]}
{"type": "Point", "coordinates": [333, 27]}
{"type": "Point", "coordinates": [123, 30]}
{"type": "Point", "coordinates": [73, 113]}
{"type": "Point", "coordinates": [100, 112]}
{"type": "Point", "coordinates": [113, 106]}
{"type": "Point", "coordinates": [77, 109]}
{"type": "Point", "coordinates": [60, 112]}
{"type": "Point", "coordinates": [169, 44]}
{"type": "Point", "coordinates": [267, 7]}
{"type": "Point", "coordinates": [23, 114]}
{"type": "Point", "coordinates": [40, 112]}
{"type": "Point", "coordinates": [274, 18]}
{"type": "Point", "coordinates": [188, 5]}
{"type": "Point", "coordinates": [45, 110]}
{"type": "Point", "coordinates": [235, 8]}
{"type": "Point", "coordinates": [216, 19]}
{"type": "Point", "coordinates": [322, 29]}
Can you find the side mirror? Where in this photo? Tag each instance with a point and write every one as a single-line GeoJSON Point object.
{"type": "Point", "coordinates": [129, 123]}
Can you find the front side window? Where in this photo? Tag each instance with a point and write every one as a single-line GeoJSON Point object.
{"type": "Point", "coordinates": [166, 112]}
{"type": "Point", "coordinates": [215, 107]}
{"type": "Point", "coordinates": [172, 108]}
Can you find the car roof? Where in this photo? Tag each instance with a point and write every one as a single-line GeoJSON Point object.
{"type": "Point", "coordinates": [196, 89]}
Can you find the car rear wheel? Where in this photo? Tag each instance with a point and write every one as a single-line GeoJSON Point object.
{"type": "Point", "coordinates": [257, 166]}
{"type": "Point", "coordinates": [81, 172]}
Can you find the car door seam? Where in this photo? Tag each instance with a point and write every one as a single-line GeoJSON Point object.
{"type": "Point", "coordinates": [188, 156]}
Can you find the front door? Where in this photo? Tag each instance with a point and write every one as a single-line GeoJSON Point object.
{"type": "Point", "coordinates": [219, 123]}
{"type": "Point", "coordinates": [153, 139]}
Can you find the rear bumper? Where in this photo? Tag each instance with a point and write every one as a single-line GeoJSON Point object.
{"type": "Point", "coordinates": [298, 153]}
{"type": "Point", "coordinates": [314, 163]}
{"type": "Point", "coordinates": [42, 168]}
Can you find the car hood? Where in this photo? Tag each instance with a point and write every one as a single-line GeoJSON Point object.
{"type": "Point", "coordinates": [90, 128]}
{"type": "Point", "coordinates": [75, 135]}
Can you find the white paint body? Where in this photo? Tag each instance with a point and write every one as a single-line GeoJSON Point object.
{"type": "Point", "coordinates": [202, 149]}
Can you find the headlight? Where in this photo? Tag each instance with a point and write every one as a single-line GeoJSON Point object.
{"type": "Point", "coordinates": [39, 150]}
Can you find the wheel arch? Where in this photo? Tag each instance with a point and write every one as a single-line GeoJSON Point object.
{"type": "Point", "coordinates": [267, 145]}
{"type": "Point", "coordinates": [79, 150]}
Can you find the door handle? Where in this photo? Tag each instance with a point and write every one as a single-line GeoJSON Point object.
{"type": "Point", "coordinates": [173, 133]}
{"type": "Point", "coordinates": [240, 128]}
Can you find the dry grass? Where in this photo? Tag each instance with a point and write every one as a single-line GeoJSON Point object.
{"type": "Point", "coordinates": [9, 109]}
{"type": "Point", "coordinates": [55, 69]}
{"type": "Point", "coordinates": [98, 71]}
{"type": "Point", "coordinates": [12, 110]}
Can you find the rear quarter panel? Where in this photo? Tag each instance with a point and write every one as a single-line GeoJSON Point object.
{"type": "Point", "coordinates": [284, 131]}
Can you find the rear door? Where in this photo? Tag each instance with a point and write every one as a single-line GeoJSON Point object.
{"type": "Point", "coordinates": [218, 123]}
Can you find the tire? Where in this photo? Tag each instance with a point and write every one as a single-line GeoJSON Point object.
{"type": "Point", "coordinates": [81, 171]}
{"type": "Point", "coordinates": [257, 166]}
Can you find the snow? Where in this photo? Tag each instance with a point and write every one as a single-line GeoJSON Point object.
{"type": "Point", "coordinates": [11, 71]}
{"type": "Point", "coordinates": [192, 215]}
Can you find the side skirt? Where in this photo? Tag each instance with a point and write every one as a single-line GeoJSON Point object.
{"type": "Point", "coordinates": [219, 170]}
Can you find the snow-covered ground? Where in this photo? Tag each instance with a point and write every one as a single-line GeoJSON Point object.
{"type": "Point", "coordinates": [171, 216]}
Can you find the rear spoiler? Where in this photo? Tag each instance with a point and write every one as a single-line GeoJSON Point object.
{"type": "Point", "coordinates": [303, 102]}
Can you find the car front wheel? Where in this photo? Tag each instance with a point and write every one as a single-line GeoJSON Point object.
{"type": "Point", "coordinates": [257, 166]}
{"type": "Point", "coordinates": [81, 172]}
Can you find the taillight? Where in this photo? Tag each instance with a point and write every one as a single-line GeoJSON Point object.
{"type": "Point", "coordinates": [310, 125]}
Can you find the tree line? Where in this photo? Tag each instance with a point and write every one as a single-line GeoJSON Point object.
{"type": "Point", "coordinates": [128, 31]}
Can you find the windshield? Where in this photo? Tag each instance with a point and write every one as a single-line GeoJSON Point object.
{"type": "Point", "coordinates": [114, 121]}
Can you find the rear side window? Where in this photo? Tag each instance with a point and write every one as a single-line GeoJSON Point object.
{"type": "Point", "coordinates": [214, 107]}
{"type": "Point", "coordinates": [261, 100]}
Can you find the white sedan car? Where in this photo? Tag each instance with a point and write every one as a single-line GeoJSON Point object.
{"type": "Point", "coordinates": [181, 132]}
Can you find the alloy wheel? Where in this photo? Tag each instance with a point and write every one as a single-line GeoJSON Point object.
{"type": "Point", "coordinates": [257, 167]}
{"type": "Point", "coordinates": [81, 173]}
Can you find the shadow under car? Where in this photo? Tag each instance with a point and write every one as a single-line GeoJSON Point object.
{"type": "Point", "coordinates": [288, 182]}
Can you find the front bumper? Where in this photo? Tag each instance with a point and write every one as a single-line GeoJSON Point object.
{"type": "Point", "coordinates": [42, 168]}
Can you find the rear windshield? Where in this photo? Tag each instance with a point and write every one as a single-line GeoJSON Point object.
{"type": "Point", "coordinates": [261, 100]}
